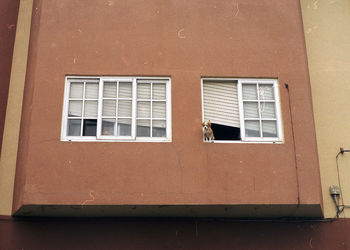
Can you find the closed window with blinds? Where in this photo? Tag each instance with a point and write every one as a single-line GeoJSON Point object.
{"type": "Point", "coordinates": [242, 109]}
{"type": "Point", "coordinates": [151, 112]}
{"type": "Point", "coordinates": [117, 108]}
{"type": "Point", "coordinates": [259, 107]}
{"type": "Point", "coordinates": [82, 108]}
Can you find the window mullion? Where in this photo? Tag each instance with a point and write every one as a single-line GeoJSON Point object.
{"type": "Point", "coordinates": [259, 109]}
{"type": "Point", "coordinates": [278, 110]}
{"type": "Point", "coordinates": [82, 111]}
{"type": "Point", "coordinates": [151, 103]}
{"type": "Point", "coordinates": [133, 105]}
{"type": "Point", "coordinates": [241, 110]}
{"type": "Point", "coordinates": [168, 109]}
{"type": "Point", "coordinates": [99, 111]}
{"type": "Point", "coordinates": [116, 111]}
{"type": "Point", "coordinates": [65, 108]}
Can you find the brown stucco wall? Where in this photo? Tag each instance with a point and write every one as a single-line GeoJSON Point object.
{"type": "Point", "coordinates": [8, 21]}
{"type": "Point", "coordinates": [184, 40]}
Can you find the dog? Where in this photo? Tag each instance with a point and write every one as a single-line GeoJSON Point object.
{"type": "Point", "coordinates": [208, 133]}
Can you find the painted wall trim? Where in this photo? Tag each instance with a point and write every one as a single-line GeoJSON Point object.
{"type": "Point", "coordinates": [14, 107]}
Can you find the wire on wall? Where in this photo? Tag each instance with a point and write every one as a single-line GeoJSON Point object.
{"type": "Point", "coordinates": [295, 153]}
{"type": "Point", "coordinates": [340, 208]}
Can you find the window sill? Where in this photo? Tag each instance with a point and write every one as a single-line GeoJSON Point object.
{"type": "Point", "coordinates": [247, 142]}
{"type": "Point", "coordinates": [93, 139]}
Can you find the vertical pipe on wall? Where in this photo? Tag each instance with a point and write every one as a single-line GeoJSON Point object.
{"type": "Point", "coordinates": [14, 107]}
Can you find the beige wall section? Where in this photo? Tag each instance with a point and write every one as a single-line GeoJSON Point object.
{"type": "Point", "coordinates": [14, 107]}
{"type": "Point", "coordinates": [327, 33]}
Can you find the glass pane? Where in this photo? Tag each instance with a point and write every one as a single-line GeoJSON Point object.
{"type": "Point", "coordinates": [74, 127]}
{"type": "Point", "coordinates": [251, 110]}
{"type": "Point", "coordinates": [90, 109]}
{"type": "Point", "coordinates": [269, 128]}
{"type": "Point", "coordinates": [124, 127]}
{"type": "Point", "coordinates": [109, 108]}
{"type": "Point", "coordinates": [143, 91]}
{"type": "Point", "coordinates": [158, 110]}
{"type": "Point", "coordinates": [75, 108]}
{"type": "Point", "coordinates": [110, 89]}
{"type": "Point", "coordinates": [158, 128]}
{"type": "Point", "coordinates": [108, 126]}
{"type": "Point", "coordinates": [266, 92]}
{"type": "Point", "coordinates": [124, 108]}
{"type": "Point", "coordinates": [267, 109]}
{"type": "Point", "coordinates": [252, 129]}
{"type": "Point", "coordinates": [143, 128]}
{"type": "Point", "coordinates": [89, 128]}
{"type": "Point", "coordinates": [91, 90]}
{"type": "Point", "coordinates": [76, 90]}
{"type": "Point", "coordinates": [159, 91]}
{"type": "Point", "coordinates": [249, 92]}
{"type": "Point", "coordinates": [125, 90]}
{"type": "Point", "coordinates": [143, 109]}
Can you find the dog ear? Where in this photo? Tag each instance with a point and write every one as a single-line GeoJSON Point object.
{"type": "Point", "coordinates": [202, 123]}
{"type": "Point", "coordinates": [209, 123]}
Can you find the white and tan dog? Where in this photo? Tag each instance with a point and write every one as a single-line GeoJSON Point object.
{"type": "Point", "coordinates": [207, 131]}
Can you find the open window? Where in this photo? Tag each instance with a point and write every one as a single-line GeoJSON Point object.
{"type": "Point", "coordinates": [242, 109]}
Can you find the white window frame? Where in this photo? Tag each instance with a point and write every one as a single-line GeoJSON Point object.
{"type": "Point", "coordinates": [244, 139]}
{"type": "Point", "coordinates": [102, 138]}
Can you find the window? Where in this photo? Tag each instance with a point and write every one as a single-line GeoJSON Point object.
{"type": "Point", "coordinates": [242, 109]}
{"type": "Point", "coordinates": [117, 108]}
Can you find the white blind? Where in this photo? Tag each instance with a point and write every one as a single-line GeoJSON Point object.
{"type": "Point", "coordinates": [267, 109]}
{"type": "Point", "coordinates": [124, 108]}
{"type": "Point", "coordinates": [109, 107]}
{"type": "Point", "coordinates": [144, 123]}
{"type": "Point", "coordinates": [124, 121]}
{"type": "Point", "coordinates": [220, 100]}
{"type": "Point", "coordinates": [266, 92]}
{"type": "Point", "coordinates": [90, 109]}
{"type": "Point", "coordinates": [269, 128]}
{"type": "Point", "coordinates": [158, 110]}
{"type": "Point", "coordinates": [249, 92]}
{"type": "Point", "coordinates": [158, 124]}
{"type": "Point", "coordinates": [76, 90]}
{"type": "Point", "coordinates": [158, 91]}
{"type": "Point", "coordinates": [91, 90]}
{"type": "Point", "coordinates": [251, 110]}
{"type": "Point", "coordinates": [75, 108]}
{"type": "Point", "coordinates": [143, 109]}
{"type": "Point", "coordinates": [110, 89]}
{"type": "Point", "coordinates": [143, 90]}
{"type": "Point", "coordinates": [125, 90]}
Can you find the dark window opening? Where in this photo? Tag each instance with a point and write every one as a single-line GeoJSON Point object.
{"type": "Point", "coordinates": [89, 128]}
{"type": "Point", "coordinates": [143, 131]}
{"type": "Point", "coordinates": [226, 133]}
{"type": "Point", "coordinates": [158, 132]}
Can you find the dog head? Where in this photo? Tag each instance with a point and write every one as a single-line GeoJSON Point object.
{"type": "Point", "coordinates": [206, 125]}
